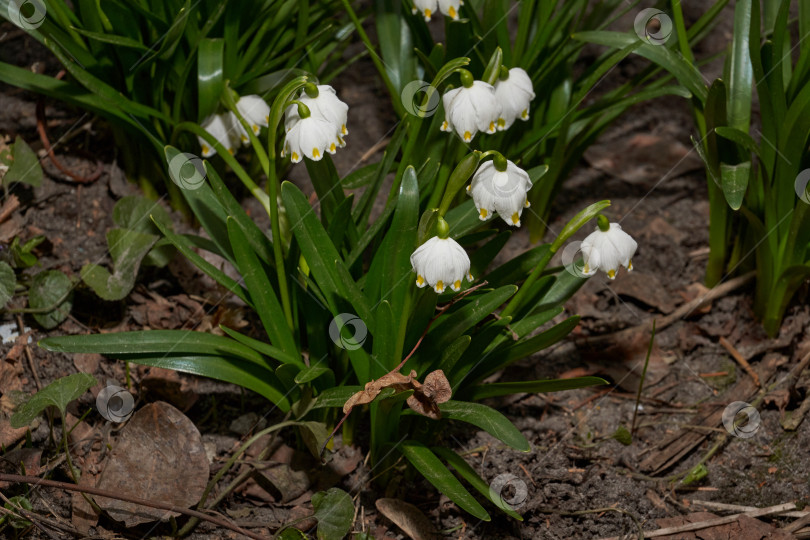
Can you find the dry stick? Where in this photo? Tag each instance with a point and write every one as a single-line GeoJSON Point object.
{"type": "Point", "coordinates": [798, 524]}
{"type": "Point", "coordinates": [761, 512]}
{"type": "Point", "coordinates": [440, 310]}
{"type": "Point", "coordinates": [680, 313]}
{"type": "Point", "coordinates": [43, 136]}
{"type": "Point", "coordinates": [33, 480]}
{"type": "Point", "coordinates": [735, 354]}
{"type": "Point", "coordinates": [34, 518]}
{"type": "Point", "coordinates": [28, 356]}
{"type": "Point", "coordinates": [740, 508]}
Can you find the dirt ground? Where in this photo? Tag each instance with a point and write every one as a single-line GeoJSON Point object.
{"type": "Point", "coordinates": [579, 481]}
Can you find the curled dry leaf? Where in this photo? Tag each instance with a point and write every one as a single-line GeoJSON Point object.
{"type": "Point", "coordinates": [425, 399]}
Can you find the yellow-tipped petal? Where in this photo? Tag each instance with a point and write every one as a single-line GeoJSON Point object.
{"type": "Point", "coordinates": [244, 138]}
{"type": "Point", "coordinates": [427, 14]}
{"type": "Point", "coordinates": [483, 214]}
{"type": "Point", "coordinates": [501, 122]}
{"type": "Point", "coordinates": [469, 277]}
{"type": "Point", "coordinates": [343, 130]}
{"type": "Point", "coordinates": [457, 285]}
{"type": "Point", "coordinates": [525, 114]}
{"type": "Point", "coordinates": [420, 281]}
{"type": "Point", "coordinates": [267, 119]}
{"type": "Point", "coordinates": [469, 187]}
{"type": "Point", "coordinates": [515, 219]}
{"type": "Point", "coordinates": [452, 12]}
{"type": "Point", "coordinates": [294, 157]}
{"type": "Point", "coordinates": [439, 288]}
{"type": "Point", "coordinates": [467, 136]}
{"type": "Point", "coordinates": [332, 147]}
{"type": "Point", "coordinates": [445, 126]}
{"type": "Point", "coordinates": [527, 203]}
{"type": "Point", "coordinates": [586, 269]}
{"type": "Point", "coordinates": [630, 266]}
{"type": "Point", "coordinates": [611, 274]}
{"type": "Point", "coordinates": [316, 153]}
{"type": "Point", "coordinates": [256, 129]}
{"type": "Point", "coordinates": [491, 127]}
{"type": "Point", "coordinates": [230, 151]}
{"type": "Point", "coordinates": [205, 149]}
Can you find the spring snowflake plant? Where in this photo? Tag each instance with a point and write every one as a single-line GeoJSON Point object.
{"type": "Point", "coordinates": [401, 318]}
{"type": "Point", "coordinates": [543, 86]}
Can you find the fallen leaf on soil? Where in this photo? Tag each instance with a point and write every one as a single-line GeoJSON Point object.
{"type": "Point", "coordinates": [745, 528]}
{"type": "Point", "coordinates": [160, 457]}
{"type": "Point", "coordinates": [158, 312]}
{"type": "Point", "coordinates": [169, 385]}
{"type": "Point", "coordinates": [425, 399]}
{"type": "Point", "coordinates": [280, 481]}
{"type": "Point", "coordinates": [646, 288]}
{"type": "Point", "coordinates": [693, 291]}
{"type": "Point", "coordinates": [408, 518]}
{"type": "Point", "coordinates": [86, 362]}
{"type": "Point", "coordinates": [643, 158]}
{"type": "Point", "coordinates": [10, 373]}
{"type": "Point", "coordinates": [658, 226]}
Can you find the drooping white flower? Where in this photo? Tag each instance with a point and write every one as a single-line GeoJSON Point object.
{"type": "Point", "coordinates": [503, 192]}
{"type": "Point", "coordinates": [310, 136]}
{"type": "Point", "coordinates": [322, 102]}
{"type": "Point", "coordinates": [440, 263]}
{"type": "Point", "coordinates": [470, 109]}
{"type": "Point", "coordinates": [608, 249]}
{"type": "Point", "coordinates": [222, 128]}
{"type": "Point", "coordinates": [450, 8]}
{"type": "Point", "coordinates": [428, 7]}
{"type": "Point", "coordinates": [256, 113]}
{"type": "Point", "coordinates": [514, 93]}
{"type": "Point", "coordinates": [425, 7]}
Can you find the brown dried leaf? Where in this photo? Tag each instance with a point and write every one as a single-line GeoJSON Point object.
{"type": "Point", "coordinates": [425, 399]}
{"type": "Point", "coordinates": [20, 461]}
{"type": "Point", "coordinates": [408, 518]}
{"type": "Point", "coordinates": [160, 457]}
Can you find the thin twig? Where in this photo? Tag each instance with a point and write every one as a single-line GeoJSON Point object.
{"type": "Point", "coordinates": [33, 480]}
{"type": "Point", "coordinates": [27, 350]}
{"type": "Point", "coordinates": [735, 354]}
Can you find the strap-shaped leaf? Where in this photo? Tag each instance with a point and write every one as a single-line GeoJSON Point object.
{"type": "Point", "coordinates": [261, 290]}
{"type": "Point", "coordinates": [322, 257]}
{"type": "Point", "coordinates": [531, 387]}
{"type": "Point", "coordinates": [210, 82]}
{"type": "Point", "coordinates": [264, 348]}
{"type": "Point", "coordinates": [479, 484]}
{"type": "Point", "coordinates": [431, 467]}
{"type": "Point", "coordinates": [487, 419]}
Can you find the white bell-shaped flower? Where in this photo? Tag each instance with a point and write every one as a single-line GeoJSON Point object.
{"type": "Point", "coordinates": [223, 129]}
{"type": "Point", "coordinates": [607, 248]}
{"type": "Point", "coordinates": [322, 102]}
{"type": "Point", "coordinates": [471, 108]}
{"type": "Point", "coordinates": [429, 7]}
{"type": "Point", "coordinates": [425, 7]}
{"type": "Point", "coordinates": [499, 191]}
{"type": "Point", "coordinates": [440, 263]}
{"type": "Point", "coordinates": [514, 92]}
{"type": "Point", "coordinates": [450, 8]}
{"type": "Point", "coordinates": [311, 136]}
{"type": "Point", "coordinates": [256, 113]}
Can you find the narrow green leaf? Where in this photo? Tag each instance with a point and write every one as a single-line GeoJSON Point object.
{"type": "Point", "coordinates": [8, 282]}
{"type": "Point", "coordinates": [429, 466]}
{"type": "Point", "coordinates": [531, 387]}
{"type": "Point", "coordinates": [210, 81]}
{"type": "Point", "coordinates": [261, 291]}
{"type": "Point", "coordinates": [468, 473]}
{"type": "Point", "coordinates": [25, 167]}
{"type": "Point", "coordinates": [735, 181]}
{"type": "Point", "coordinates": [487, 419]}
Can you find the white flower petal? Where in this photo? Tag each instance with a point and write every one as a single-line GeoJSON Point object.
{"type": "Point", "coordinates": [441, 263]}
{"type": "Point", "coordinates": [515, 95]}
{"type": "Point", "coordinates": [470, 110]}
{"type": "Point", "coordinates": [222, 128]}
{"type": "Point", "coordinates": [504, 192]}
{"type": "Point", "coordinates": [425, 7]}
{"type": "Point", "coordinates": [607, 250]}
